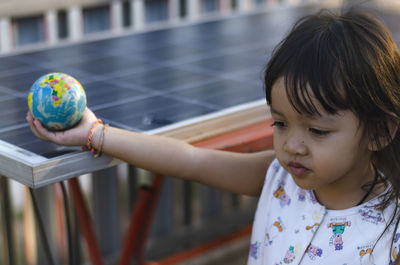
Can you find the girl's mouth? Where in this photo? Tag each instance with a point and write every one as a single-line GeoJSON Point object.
{"type": "Point", "coordinates": [298, 169]}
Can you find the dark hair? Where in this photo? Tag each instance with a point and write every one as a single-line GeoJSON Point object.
{"type": "Point", "coordinates": [346, 61]}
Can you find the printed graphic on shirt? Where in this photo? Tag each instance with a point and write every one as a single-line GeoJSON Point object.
{"type": "Point", "coordinates": [314, 252]}
{"type": "Point", "coordinates": [317, 216]}
{"type": "Point", "coordinates": [371, 215]}
{"type": "Point", "coordinates": [338, 230]}
{"type": "Point", "coordinates": [280, 194]}
{"type": "Point", "coordinates": [325, 236]}
{"type": "Point", "coordinates": [396, 248]}
{"type": "Point", "coordinates": [312, 197]}
{"type": "Point", "coordinates": [273, 231]}
{"type": "Point", "coordinates": [291, 254]}
{"type": "Point", "coordinates": [302, 195]}
{"type": "Point", "coordinates": [255, 250]}
{"type": "Point", "coordinates": [364, 253]}
{"type": "Point", "coordinates": [313, 227]}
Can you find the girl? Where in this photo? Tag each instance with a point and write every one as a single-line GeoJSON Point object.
{"type": "Point", "coordinates": [331, 194]}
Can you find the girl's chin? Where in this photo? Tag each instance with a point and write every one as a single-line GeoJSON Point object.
{"type": "Point", "coordinates": [303, 183]}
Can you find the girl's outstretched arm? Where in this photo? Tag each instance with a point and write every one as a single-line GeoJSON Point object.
{"type": "Point", "coordinates": [241, 173]}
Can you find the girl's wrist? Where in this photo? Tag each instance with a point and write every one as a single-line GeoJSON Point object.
{"type": "Point", "coordinates": [99, 139]}
{"type": "Point", "coordinates": [94, 139]}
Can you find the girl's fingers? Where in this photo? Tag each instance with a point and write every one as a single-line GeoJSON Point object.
{"type": "Point", "coordinates": [41, 130]}
{"type": "Point", "coordinates": [38, 129]}
{"type": "Point", "coordinates": [73, 137]}
{"type": "Point", "coordinates": [30, 120]}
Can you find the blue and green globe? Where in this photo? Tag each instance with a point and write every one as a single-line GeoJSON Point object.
{"type": "Point", "coordinates": [57, 100]}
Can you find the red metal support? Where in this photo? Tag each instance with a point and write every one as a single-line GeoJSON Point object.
{"type": "Point", "coordinates": [252, 138]}
{"type": "Point", "coordinates": [151, 210]}
{"type": "Point", "coordinates": [85, 223]}
{"type": "Point", "coordinates": [249, 139]}
{"type": "Point", "coordinates": [185, 255]}
{"type": "Point", "coordinates": [139, 228]}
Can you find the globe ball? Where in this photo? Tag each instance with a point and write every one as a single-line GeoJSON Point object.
{"type": "Point", "coordinates": [57, 100]}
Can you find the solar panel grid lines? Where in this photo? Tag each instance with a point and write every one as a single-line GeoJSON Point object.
{"type": "Point", "coordinates": [158, 109]}
{"type": "Point", "coordinates": [130, 100]}
{"type": "Point", "coordinates": [145, 81]}
{"type": "Point", "coordinates": [151, 79]}
{"type": "Point", "coordinates": [195, 101]}
{"type": "Point", "coordinates": [209, 54]}
{"type": "Point", "coordinates": [235, 75]}
{"type": "Point", "coordinates": [121, 125]}
{"type": "Point", "coordinates": [141, 93]}
{"type": "Point", "coordinates": [12, 129]}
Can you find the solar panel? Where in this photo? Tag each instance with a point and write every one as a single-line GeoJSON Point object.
{"type": "Point", "coordinates": [141, 82]}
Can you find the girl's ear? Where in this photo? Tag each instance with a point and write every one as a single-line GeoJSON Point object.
{"type": "Point", "coordinates": [383, 141]}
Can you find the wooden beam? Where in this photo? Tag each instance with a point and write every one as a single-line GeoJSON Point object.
{"type": "Point", "coordinates": [208, 127]}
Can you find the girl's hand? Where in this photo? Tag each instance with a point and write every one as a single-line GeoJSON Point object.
{"type": "Point", "coordinates": [76, 136]}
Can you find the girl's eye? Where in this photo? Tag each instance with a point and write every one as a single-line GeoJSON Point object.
{"type": "Point", "coordinates": [279, 124]}
{"type": "Point", "coordinates": [319, 132]}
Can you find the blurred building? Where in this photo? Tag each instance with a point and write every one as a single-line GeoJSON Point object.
{"type": "Point", "coordinates": [29, 23]}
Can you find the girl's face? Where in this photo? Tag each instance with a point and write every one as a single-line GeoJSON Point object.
{"type": "Point", "coordinates": [324, 153]}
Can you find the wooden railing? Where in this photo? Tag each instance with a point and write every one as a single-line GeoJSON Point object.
{"type": "Point", "coordinates": [249, 139]}
{"type": "Point", "coordinates": [207, 218]}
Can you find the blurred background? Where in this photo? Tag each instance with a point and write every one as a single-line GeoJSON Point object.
{"type": "Point", "coordinates": [25, 24]}
{"type": "Point", "coordinates": [188, 216]}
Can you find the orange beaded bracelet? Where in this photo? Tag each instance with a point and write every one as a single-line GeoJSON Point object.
{"type": "Point", "coordinates": [101, 142]}
{"type": "Point", "coordinates": [89, 138]}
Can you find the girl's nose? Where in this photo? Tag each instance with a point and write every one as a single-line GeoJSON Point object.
{"type": "Point", "coordinates": [295, 146]}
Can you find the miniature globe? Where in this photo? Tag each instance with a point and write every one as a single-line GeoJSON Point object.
{"type": "Point", "coordinates": [57, 100]}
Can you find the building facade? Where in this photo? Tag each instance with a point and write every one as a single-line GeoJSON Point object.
{"type": "Point", "coordinates": [29, 23]}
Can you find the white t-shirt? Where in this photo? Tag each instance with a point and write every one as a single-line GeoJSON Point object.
{"type": "Point", "coordinates": [291, 227]}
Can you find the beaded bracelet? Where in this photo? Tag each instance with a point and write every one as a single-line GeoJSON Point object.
{"type": "Point", "coordinates": [101, 142]}
{"type": "Point", "coordinates": [89, 138]}
{"type": "Point", "coordinates": [99, 145]}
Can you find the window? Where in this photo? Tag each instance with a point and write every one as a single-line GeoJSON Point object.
{"type": "Point", "coordinates": [126, 14]}
{"type": "Point", "coordinates": [156, 10]}
{"type": "Point", "coordinates": [234, 4]}
{"type": "Point", "coordinates": [96, 19]}
{"type": "Point", "coordinates": [62, 24]}
{"type": "Point", "coordinates": [28, 30]}
{"type": "Point", "coordinates": [210, 6]}
{"type": "Point", "coordinates": [182, 5]}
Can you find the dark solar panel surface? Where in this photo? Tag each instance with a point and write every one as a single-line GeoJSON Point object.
{"type": "Point", "coordinates": [149, 80]}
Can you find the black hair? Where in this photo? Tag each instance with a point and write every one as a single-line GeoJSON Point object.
{"type": "Point", "coordinates": [346, 61]}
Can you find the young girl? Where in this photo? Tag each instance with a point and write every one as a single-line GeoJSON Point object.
{"type": "Point", "coordinates": [331, 194]}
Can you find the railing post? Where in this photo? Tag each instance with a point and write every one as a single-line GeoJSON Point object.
{"type": "Point", "coordinates": [187, 203]}
{"type": "Point", "coordinates": [75, 22]}
{"type": "Point", "coordinates": [106, 210]}
{"type": "Point", "coordinates": [193, 9]}
{"type": "Point", "coordinates": [173, 11]}
{"type": "Point", "coordinates": [51, 26]}
{"type": "Point", "coordinates": [85, 223]}
{"type": "Point", "coordinates": [211, 202]}
{"type": "Point", "coordinates": [116, 16]}
{"type": "Point", "coordinates": [42, 199]}
{"type": "Point", "coordinates": [5, 35]}
{"type": "Point", "coordinates": [7, 222]}
{"type": "Point", "coordinates": [141, 221]}
{"type": "Point", "coordinates": [244, 5]}
{"type": "Point", "coordinates": [137, 14]}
